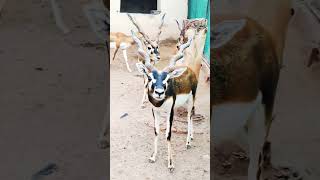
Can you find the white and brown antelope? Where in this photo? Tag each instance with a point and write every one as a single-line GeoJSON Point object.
{"type": "Point", "coordinates": [122, 41]}
{"type": "Point", "coordinates": [247, 56]}
{"type": "Point", "coordinates": [151, 46]}
{"type": "Point", "coordinates": [174, 86]}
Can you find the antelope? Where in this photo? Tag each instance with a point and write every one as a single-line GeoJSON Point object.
{"type": "Point", "coordinates": [185, 25]}
{"type": "Point", "coordinates": [118, 38]}
{"type": "Point", "coordinates": [247, 56]}
{"type": "Point", "coordinates": [174, 86]}
{"type": "Point", "coordinates": [123, 41]}
{"type": "Point", "coordinates": [152, 48]}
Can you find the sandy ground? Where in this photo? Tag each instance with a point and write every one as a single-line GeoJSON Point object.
{"type": "Point", "coordinates": [52, 95]}
{"type": "Point", "coordinates": [295, 131]}
{"type": "Point", "coordinates": [132, 136]}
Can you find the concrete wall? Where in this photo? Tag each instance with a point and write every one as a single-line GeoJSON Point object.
{"type": "Point", "coordinates": [175, 9]}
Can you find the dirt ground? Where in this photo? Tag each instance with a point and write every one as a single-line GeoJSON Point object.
{"type": "Point", "coordinates": [132, 136]}
{"type": "Point", "coordinates": [52, 94]}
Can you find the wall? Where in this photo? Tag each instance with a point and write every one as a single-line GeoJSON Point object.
{"type": "Point", "coordinates": [175, 9]}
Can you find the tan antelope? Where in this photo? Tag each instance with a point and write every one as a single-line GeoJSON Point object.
{"type": "Point", "coordinates": [247, 55]}
{"type": "Point", "coordinates": [123, 41]}
{"type": "Point", "coordinates": [174, 86]}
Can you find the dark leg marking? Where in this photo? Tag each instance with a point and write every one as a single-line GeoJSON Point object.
{"type": "Point", "coordinates": [192, 110]}
{"type": "Point", "coordinates": [266, 151]}
{"type": "Point", "coordinates": [114, 55]}
{"type": "Point", "coordinates": [259, 167]}
{"type": "Point", "coordinates": [154, 123]}
{"type": "Point", "coordinates": [171, 118]}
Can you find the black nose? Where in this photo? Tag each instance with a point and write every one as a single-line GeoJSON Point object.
{"type": "Point", "coordinates": [159, 93]}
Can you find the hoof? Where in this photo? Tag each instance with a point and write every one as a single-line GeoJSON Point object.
{"type": "Point", "coordinates": [103, 143]}
{"type": "Point", "coordinates": [267, 154]}
{"type": "Point", "coordinates": [188, 146]}
{"type": "Point", "coordinates": [142, 106]}
{"type": "Point", "coordinates": [171, 168]}
{"type": "Point", "coordinates": [197, 117]}
{"type": "Point", "coordinates": [152, 160]}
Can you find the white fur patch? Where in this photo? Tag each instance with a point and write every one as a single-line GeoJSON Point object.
{"type": "Point", "coordinates": [112, 45]}
{"type": "Point", "coordinates": [152, 78]}
{"type": "Point", "coordinates": [181, 100]}
{"type": "Point", "coordinates": [165, 80]}
{"type": "Point", "coordinates": [124, 45]}
{"type": "Point", "coordinates": [228, 120]}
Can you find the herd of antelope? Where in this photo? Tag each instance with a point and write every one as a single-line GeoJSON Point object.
{"type": "Point", "coordinates": [173, 86]}
{"type": "Point", "coordinates": [246, 53]}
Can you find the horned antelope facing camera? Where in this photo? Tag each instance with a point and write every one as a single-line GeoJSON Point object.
{"type": "Point", "coordinates": [247, 56]}
{"type": "Point", "coordinates": [151, 46]}
{"type": "Point", "coordinates": [122, 41]}
{"type": "Point", "coordinates": [174, 86]}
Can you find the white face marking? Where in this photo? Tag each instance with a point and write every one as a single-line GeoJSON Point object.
{"type": "Point", "coordinates": [157, 96]}
{"type": "Point", "coordinates": [153, 80]}
{"type": "Point", "coordinates": [167, 78]}
{"type": "Point", "coordinates": [159, 90]}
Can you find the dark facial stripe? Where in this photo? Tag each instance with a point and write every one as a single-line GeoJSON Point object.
{"type": "Point", "coordinates": [156, 51]}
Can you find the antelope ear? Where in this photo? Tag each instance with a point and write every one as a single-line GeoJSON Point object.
{"type": "Point", "coordinates": [142, 68]}
{"type": "Point", "coordinates": [225, 31]}
{"type": "Point", "coordinates": [177, 72]}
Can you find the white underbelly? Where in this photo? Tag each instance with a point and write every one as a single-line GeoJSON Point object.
{"type": "Point", "coordinates": [181, 100]}
{"type": "Point", "coordinates": [112, 45]}
{"type": "Point", "coordinates": [228, 121]}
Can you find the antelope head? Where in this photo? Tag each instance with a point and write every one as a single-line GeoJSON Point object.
{"type": "Point", "coordinates": [158, 80]}
{"type": "Point", "coordinates": [189, 28]}
{"type": "Point", "coordinates": [152, 45]}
